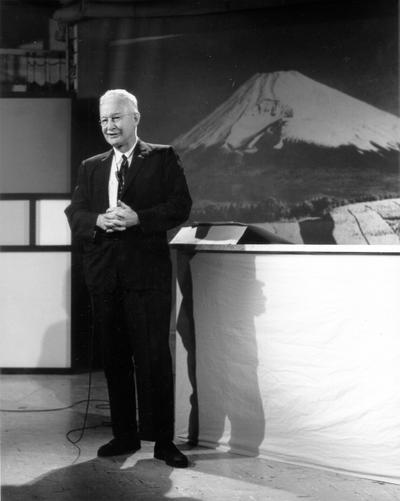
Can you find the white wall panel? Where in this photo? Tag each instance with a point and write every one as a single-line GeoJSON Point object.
{"type": "Point", "coordinates": [14, 222]}
{"type": "Point", "coordinates": [51, 223]}
{"type": "Point", "coordinates": [35, 309]}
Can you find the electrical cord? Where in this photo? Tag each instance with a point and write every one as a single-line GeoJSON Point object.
{"type": "Point", "coordinates": [84, 427]}
{"type": "Point", "coordinates": [103, 406]}
{"type": "Point", "coordinates": [56, 409]}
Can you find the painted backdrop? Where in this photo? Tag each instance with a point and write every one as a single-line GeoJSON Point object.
{"type": "Point", "coordinates": [284, 117]}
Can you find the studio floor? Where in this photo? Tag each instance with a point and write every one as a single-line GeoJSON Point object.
{"type": "Point", "coordinates": [39, 463]}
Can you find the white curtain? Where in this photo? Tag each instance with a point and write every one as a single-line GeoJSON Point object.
{"type": "Point", "coordinates": [297, 358]}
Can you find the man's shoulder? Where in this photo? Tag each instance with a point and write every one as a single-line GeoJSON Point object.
{"type": "Point", "coordinates": [97, 159]}
{"type": "Point", "coordinates": [153, 147]}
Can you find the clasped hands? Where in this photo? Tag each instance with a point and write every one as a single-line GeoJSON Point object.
{"type": "Point", "coordinates": [117, 218]}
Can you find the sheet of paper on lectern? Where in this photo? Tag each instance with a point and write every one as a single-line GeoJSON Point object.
{"type": "Point", "coordinates": [206, 235]}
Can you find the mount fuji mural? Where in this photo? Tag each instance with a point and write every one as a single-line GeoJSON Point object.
{"type": "Point", "coordinates": [285, 147]}
{"type": "Point", "coordinates": [302, 109]}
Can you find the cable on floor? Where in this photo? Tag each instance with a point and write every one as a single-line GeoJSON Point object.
{"type": "Point", "coordinates": [84, 427]}
{"type": "Point", "coordinates": [103, 406]}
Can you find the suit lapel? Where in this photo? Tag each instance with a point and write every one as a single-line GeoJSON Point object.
{"type": "Point", "coordinates": [139, 154]}
{"type": "Point", "coordinates": [104, 175]}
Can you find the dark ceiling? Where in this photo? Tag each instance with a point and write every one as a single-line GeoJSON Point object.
{"type": "Point", "coordinates": [25, 21]}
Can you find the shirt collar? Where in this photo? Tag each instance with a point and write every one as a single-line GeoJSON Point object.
{"type": "Point", "coordinates": [128, 154]}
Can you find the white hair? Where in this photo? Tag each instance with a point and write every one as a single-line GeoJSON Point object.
{"type": "Point", "coordinates": [122, 94]}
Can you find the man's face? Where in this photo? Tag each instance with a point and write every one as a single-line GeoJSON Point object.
{"type": "Point", "coordinates": [118, 122]}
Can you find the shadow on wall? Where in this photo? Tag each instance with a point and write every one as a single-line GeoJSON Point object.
{"type": "Point", "coordinates": [221, 350]}
{"type": "Point", "coordinates": [185, 328]}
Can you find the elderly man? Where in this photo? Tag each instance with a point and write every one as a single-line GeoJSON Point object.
{"type": "Point", "coordinates": [124, 202]}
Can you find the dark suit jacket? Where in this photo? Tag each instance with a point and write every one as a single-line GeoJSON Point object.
{"type": "Point", "coordinates": [156, 189]}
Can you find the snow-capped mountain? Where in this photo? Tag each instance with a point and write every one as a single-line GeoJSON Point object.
{"type": "Point", "coordinates": [293, 108]}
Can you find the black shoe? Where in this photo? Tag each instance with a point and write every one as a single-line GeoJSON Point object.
{"type": "Point", "coordinates": [119, 446]}
{"type": "Point", "coordinates": [168, 452]}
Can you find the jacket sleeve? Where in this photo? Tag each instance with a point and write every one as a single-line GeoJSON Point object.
{"type": "Point", "coordinates": [81, 219]}
{"type": "Point", "coordinates": [176, 208]}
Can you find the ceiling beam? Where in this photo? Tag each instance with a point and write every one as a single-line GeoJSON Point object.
{"type": "Point", "coordinates": [87, 9]}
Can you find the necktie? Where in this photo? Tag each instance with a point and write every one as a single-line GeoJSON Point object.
{"type": "Point", "coordinates": [121, 174]}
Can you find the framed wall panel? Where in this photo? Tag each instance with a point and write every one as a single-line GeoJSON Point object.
{"type": "Point", "coordinates": [35, 288]}
{"type": "Point", "coordinates": [14, 222]}
{"type": "Point", "coordinates": [35, 145]}
{"type": "Point", "coordinates": [51, 224]}
{"type": "Point", "coordinates": [35, 309]}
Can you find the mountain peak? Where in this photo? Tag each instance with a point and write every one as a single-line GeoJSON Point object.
{"type": "Point", "coordinates": [300, 110]}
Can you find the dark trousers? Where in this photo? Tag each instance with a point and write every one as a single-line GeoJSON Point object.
{"type": "Point", "coordinates": [133, 329]}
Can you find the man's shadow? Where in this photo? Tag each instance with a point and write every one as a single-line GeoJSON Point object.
{"type": "Point", "coordinates": [99, 480]}
{"type": "Point", "coordinates": [220, 300]}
